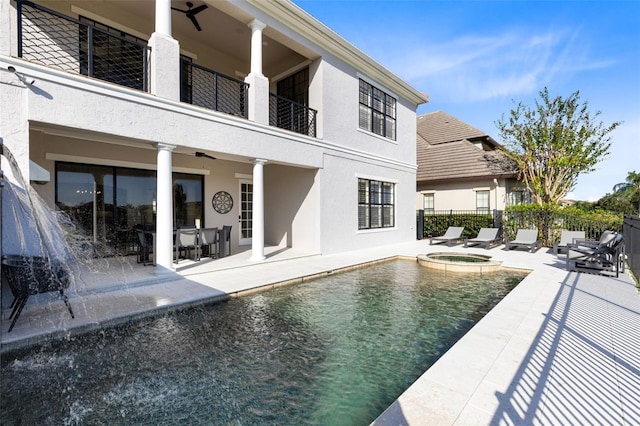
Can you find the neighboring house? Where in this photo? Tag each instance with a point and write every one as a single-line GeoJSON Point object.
{"type": "Point", "coordinates": [460, 168]}
{"type": "Point", "coordinates": [262, 118]}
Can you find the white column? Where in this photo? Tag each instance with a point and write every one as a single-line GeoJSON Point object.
{"type": "Point", "coordinates": [163, 17]}
{"type": "Point", "coordinates": [256, 46]}
{"type": "Point", "coordinates": [258, 84]}
{"type": "Point", "coordinates": [257, 239]}
{"type": "Point", "coordinates": [164, 209]}
{"type": "Point", "coordinates": [164, 61]}
{"type": "Point", "coordinates": [8, 23]}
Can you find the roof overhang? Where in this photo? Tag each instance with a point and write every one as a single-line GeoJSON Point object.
{"type": "Point", "coordinates": [299, 20]}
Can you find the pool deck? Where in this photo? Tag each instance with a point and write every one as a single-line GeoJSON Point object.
{"type": "Point", "coordinates": [561, 348]}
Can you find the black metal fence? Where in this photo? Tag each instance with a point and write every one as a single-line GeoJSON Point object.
{"type": "Point", "coordinates": [287, 114]}
{"type": "Point", "coordinates": [50, 38]}
{"type": "Point", "coordinates": [209, 89]}
{"type": "Point", "coordinates": [436, 222]}
{"type": "Point", "coordinates": [549, 225]}
{"type": "Point", "coordinates": [631, 233]}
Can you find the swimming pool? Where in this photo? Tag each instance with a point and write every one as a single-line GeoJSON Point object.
{"type": "Point", "coordinates": [336, 350]}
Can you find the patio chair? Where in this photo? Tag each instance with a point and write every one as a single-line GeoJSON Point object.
{"type": "Point", "coordinates": [566, 238]}
{"type": "Point", "coordinates": [144, 247]}
{"type": "Point", "coordinates": [486, 237]}
{"type": "Point", "coordinates": [224, 242]}
{"type": "Point", "coordinates": [453, 234]}
{"type": "Point", "coordinates": [28, 276]}
{"type": "Point", "coordinates": [525, 238]}
{"type": "Point", "coordinates": [209, 239]}
{"type": "Point", "coordinates": [607, 255]}
{"type": "Point", "coordinates": [186, 239]}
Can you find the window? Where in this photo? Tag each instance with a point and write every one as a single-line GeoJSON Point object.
{"type": "Point", "coordinates": [375, 204]}
{"type": "Point", "coordinates": [377, 111]}
{"type": "Point", "coordinates": [482, 201]}
{"type": "Point", "coordinates": [428, 203]}
{"type": "Point", "coordinates": [109, 202]}
{"type": "Point", "coordinates": [516, 198]}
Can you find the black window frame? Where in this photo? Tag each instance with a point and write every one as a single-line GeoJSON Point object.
{"type": "Point", "coordinates": [376, 204]}
{"type": "Point", "coordinates": [377, 111]}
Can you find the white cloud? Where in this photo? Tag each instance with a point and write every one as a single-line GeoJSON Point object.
{"type": "Point", "coordinates": [499, 66]}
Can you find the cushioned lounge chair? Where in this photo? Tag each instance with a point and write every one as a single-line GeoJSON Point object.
{"type": "Point", "coordinates": [566, 238]}
{"type": "Point", "coordinates": [486, 237]}
{"type": "Point", "coordinates": [607, 255]}
{"type": "Point", "coordinates": [453, 235]}
{"type": "Point", "coordinates": [525, 238]}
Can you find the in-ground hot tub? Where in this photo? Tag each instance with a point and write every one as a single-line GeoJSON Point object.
{"type": "Point", "coordinates": [459, 262]}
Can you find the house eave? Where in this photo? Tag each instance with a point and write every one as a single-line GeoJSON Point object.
{"type": "Point", "coordinates": [302, 22]}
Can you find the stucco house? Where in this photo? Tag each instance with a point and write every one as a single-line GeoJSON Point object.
{"type": "Point", "coordinates": [247, 113]}
{"type": "Point", "coordinates": [460, 168]}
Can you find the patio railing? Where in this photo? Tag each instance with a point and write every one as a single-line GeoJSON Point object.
{"type": "Point", "coordinates": [549, 225]}
{"type": "Point", "coordinates": [50, 38]}
{"type": "Point", "coordinates": [209, 89]}
{"type": "Point", "coordinates": [287, 114]}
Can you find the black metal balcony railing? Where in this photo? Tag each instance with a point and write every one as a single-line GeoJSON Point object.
{"type": "Point", "coordinates": [209, 89]}
{"type": "Point", "coordinates": [287, 114]}
{"type": "Point", "coordinates": [53, 39]}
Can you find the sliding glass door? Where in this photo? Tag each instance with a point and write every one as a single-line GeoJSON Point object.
{"type": "Point", "coordinates": [110, 203]}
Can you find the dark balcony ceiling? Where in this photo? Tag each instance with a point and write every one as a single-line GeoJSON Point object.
{"type": "Point", "coordinates": [224, 29]}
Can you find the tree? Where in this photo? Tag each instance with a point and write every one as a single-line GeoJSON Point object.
{"type": "Point", "coordinates": [629, 190]}
{"type": "Point", "coordinates": [554, 143]}
{"type": "Point", "coordinates": [613, 203]}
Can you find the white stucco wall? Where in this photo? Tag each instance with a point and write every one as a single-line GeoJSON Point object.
{"type": "Point", "coordinates": [310, 183]}
{"type": "Point", "coordinates": [462, 195]}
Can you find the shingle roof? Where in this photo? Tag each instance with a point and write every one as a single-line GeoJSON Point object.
{"type": "Point", "coordinates": [439, 127]}
{"type": "Point", "coordinates": [446, 150]}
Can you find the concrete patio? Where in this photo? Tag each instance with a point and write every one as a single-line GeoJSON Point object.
{"type": "Point", "coordinates": [561, 348]}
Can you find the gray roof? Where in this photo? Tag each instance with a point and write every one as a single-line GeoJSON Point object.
{"type": "Point", "coordinates": [449, 149]}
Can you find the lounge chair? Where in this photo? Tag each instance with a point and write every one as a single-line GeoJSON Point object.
{"type": "Point", "coordinates": [453, 234]}
{"type": "Point", "coordinates": [566, 238]}
{"type": "Point", "coordinates": [486, 237]}
{"type": "Point", "coordinates": [525, 238]}
{"type": "Point", "coordinates": [605, 255]}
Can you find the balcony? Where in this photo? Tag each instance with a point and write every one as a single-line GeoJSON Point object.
{"type": "Point", "coordinates": [290, 115]}
{"type": "Point", "coordinates": [209, 89]}
{"type": "Point", "coordinates": [96, 50]}
{"type": "Point", "coordinates": [50, 38]}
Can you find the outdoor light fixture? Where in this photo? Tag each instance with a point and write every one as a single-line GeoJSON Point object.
{"type": "Point", "coordinates": [20, 76]}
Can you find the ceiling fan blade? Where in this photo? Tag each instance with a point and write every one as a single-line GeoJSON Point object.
{"type": "Point", "coordinates": [195, 22]}
{"type": "Point", "coordinates": [179, 10]}
{"type": "Point", "coordinates": [198, 9]}
{"type": "Point", "coordinates": [202, 154]}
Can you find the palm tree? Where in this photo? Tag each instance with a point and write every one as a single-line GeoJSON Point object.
{"type": "Point", "coordinates": [630, 189]}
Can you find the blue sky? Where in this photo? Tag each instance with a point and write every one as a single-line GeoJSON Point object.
{"type": "Point", "coordinates": [475, 58]}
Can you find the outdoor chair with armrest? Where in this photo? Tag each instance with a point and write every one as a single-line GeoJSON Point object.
{"type": "Point", "coordinates": [566, 238]}
{"type": "Point", "coordinates": [607, 255]}
{"type": "Point", "coordinates": [486, 237]}
{"type": "Point", "coordinates": [525, 238]}
{"type": "Point", "coordinates": [209, 239]}
{"type": "Point", "coordinates": [186, 239]}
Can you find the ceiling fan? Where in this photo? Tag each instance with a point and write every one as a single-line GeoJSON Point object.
{"type": "Point", "coordinates": [191, 13]}
{"type": "Point", "coordinates": [202, 154]}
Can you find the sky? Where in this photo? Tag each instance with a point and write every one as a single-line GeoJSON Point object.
{"type": "Point", "coordinates": [477, 59]}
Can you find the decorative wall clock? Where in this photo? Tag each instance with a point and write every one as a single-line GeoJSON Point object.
{"type": "Point", "coordinates": [222, 202]}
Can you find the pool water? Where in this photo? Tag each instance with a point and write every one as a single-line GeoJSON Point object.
{"type": "Point", "coordinates": [336, 350]}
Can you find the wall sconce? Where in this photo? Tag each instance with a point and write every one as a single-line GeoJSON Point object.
{"type": "Point", "coordinates": [20, 76]}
